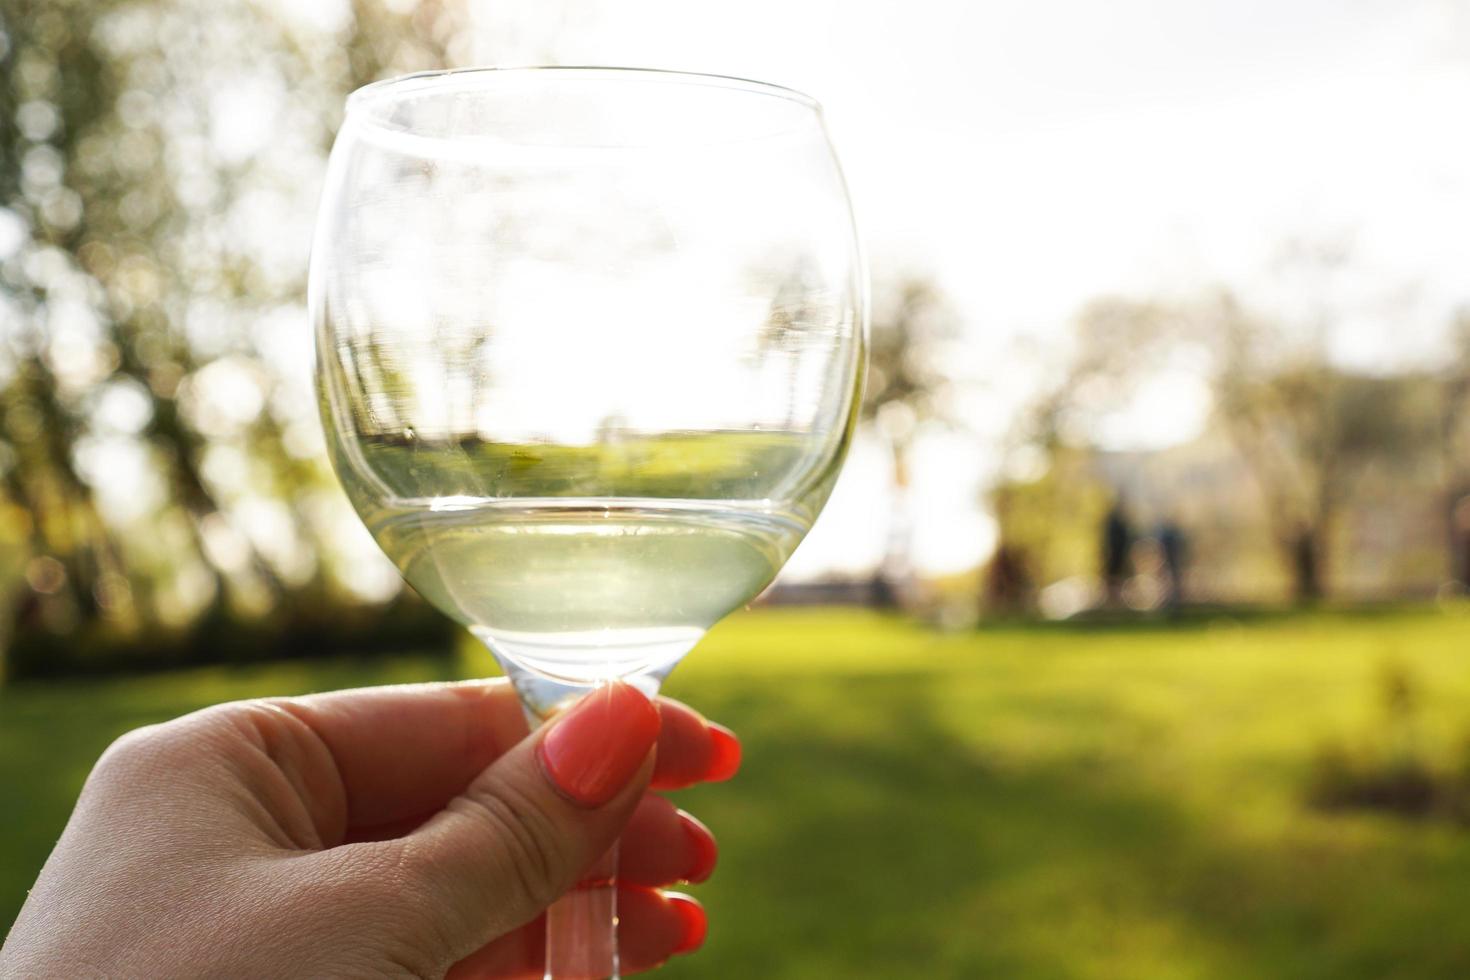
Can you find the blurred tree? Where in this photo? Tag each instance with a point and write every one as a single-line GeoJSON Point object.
{"type": "Point", "coordinates": [1454, 440]}
{"type": "Point", "coordinates": [1047, 522]}
{"type": "Point", "coordinates": [1050, 503]}
{"type": "Point", "coordinates": [907, 383]}
{"type": "Point", "coordinates": [907, 386]}
{"type": "Point", "coordinates": [153, 229]}
{"type": "Point", "coordinates": [1305, 429]}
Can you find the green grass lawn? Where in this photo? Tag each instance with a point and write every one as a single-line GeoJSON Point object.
{"type": "Point", "coordinates": [1125, 802]}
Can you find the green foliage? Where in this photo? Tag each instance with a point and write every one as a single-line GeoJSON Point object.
{"type": "Point", "coordinates": [1025, 803]}
{"type": "Point", "coordinates": [293, 631]}
{"type": "Point", "coordinates": [1053, 522]}
{"type": "Point", "coordinates": [162, 230]}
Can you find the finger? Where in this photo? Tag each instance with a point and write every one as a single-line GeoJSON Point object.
{"type": "Point", "coordinates": [663, 845]}
{"type": "Point", "coordinates": [528, 826]}
{"type": "Point", "coordinates": [652, 927]}
{"type": "Point", "coordinates": [659, 925]}
{"type": "Point", "coordinates": [402, 752]}
{"type": "Point", "coordinates": [518, 955]}
{"type": "Point", "coordinates": [692, 750]}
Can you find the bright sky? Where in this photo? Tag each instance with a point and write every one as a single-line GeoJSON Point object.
{"type": "Point", "coordinates": [1036, 154]}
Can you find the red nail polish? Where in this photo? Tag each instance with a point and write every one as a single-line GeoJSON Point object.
{"type": "Point", "coordinates": [725, 755]}
{"type": "Point", "coordinates": [593, 749]}
{"type": "Point", "coordinates": [706, 851]}
{"type": "Point", "coordinates": [691, 916]}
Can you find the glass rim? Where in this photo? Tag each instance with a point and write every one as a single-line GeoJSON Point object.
{"type": "Point", "coordinates": [362, 97]}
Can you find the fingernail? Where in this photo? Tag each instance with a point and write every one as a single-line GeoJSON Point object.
{"type": "Point", "coordinates": [593, 749]}
{"type": "Point", "coordinates": [706, 851]}
{"type": "Point", "coordinates": [691, 916]}
{"type": "Point", "coordinates": [725, 759]}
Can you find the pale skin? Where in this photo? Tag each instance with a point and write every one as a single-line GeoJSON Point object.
{"type": "Point", "coordinates": [392, 832]}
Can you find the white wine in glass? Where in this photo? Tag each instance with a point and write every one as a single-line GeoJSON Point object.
{"type": "Point", "coordinates": [589, 343]}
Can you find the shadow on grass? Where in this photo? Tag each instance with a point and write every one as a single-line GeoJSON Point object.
{"type": "Point", "coordinates": [863, 840]}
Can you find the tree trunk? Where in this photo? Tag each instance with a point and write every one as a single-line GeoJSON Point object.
{"type": "Point", "coordinates": [1306, 566]}
{"type": "Point", "coordinates": [1457, 534]}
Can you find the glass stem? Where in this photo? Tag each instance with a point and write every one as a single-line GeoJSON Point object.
{"type": "Point", "coordinates": [582, 926]}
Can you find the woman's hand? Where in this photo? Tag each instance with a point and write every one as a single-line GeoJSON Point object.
{"type": "Point", "coordinates": [408, 831]}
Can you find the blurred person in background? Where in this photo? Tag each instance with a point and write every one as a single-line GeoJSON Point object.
{"type": "Point", "coordinates": [1174, 547]}
{"type": "Point", "coordinates": [1117, 543]}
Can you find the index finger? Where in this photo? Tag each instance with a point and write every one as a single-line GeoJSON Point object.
{"type": "Point", "coordinates": [403, 752]}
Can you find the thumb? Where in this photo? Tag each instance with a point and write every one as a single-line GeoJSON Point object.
{"type": "Point", "coordinates": [527, 828]}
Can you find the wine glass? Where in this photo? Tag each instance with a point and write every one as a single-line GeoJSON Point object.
{"type": "Point", "coordinates": [589, 344]}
